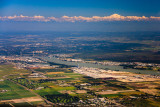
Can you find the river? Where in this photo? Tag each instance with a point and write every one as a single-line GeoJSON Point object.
{"type": "Point", "coordinates": [113, 67]}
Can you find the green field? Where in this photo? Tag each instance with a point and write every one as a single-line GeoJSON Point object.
{"type": "Point", "coordinates": [14, 91]}
{"type": "Point", "coordinates": [58, 88]}
{"type": "Point", "coordinates": [47, 91]}
{"type": "Point", "coordinates": [112, 95]}
{"type": "Point", "coordinates": [54, 90]}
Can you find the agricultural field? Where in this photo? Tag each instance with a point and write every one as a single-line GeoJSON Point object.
{"type": "Point", "coordinates": [7, 70]}
{"type": "Point", "coordinates": [8, 89]}
{"type": "Point", "coordinates": [68, 84]}
{"type": "Point", "coordinates": [63, 86]}
{"type": "Point", "coordinates": [12, 91]}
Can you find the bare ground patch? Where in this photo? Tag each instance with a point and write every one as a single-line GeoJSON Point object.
{"type": "Point", "coordinates": [29, 99]}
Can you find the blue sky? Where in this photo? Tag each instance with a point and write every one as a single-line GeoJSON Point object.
{"type": "Point", "coordinates": [80, 7]}
{"type": "Point", "coordinates": [85, 8]}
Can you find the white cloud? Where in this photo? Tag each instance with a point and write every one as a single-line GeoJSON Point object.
{"type": "Point", "coordinates": [24, 18]}
{"type": "Point", "coordinates": [155, 18]}
{"type": "Point", "coordinates": [114, 17]}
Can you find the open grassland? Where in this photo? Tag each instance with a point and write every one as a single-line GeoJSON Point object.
{"type": "Point", "coordinates": [13, 91]}
{"type": "Point", "coordinates": [47, 91]}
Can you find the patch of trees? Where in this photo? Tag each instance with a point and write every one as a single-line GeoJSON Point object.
{"type": "Point", "coordinates": [45, 80]}
{"type": "Point", "coordinates": [27, 83]}
{"type": "Point", "coordinates": [62, 98]}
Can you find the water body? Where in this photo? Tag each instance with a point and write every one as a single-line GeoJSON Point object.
{"type": "Point", "coordinates": [114, 67]}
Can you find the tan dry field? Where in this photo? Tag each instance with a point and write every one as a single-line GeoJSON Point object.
{"type": "Point", "coordinates": [68, 92]}
{"type": "Point", "coordinates": [151, 86]}
{"type": "Point", "coordinates": [130, 79]}
{"type": "Point", "coordinates": [60, 77]}
{"type": "Point", "coordinates": [50, 73]}
{"type": "Point", "coordinates": [80, 91]}
{"type": "Point", "coordinates": [150, 91]}
{"type": "Point", "coordinates": [95, 89]}
{"type": "Point", "coordinates": [113, 92]}
{"type": "Point", "coordinates": [29, 99]}
{"type": "Point", "coordinates": [157, 82]}
{"type": "Point", "coordinates": [46, 67]}
{"type": "Point", "coordinates": [24, 73]}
